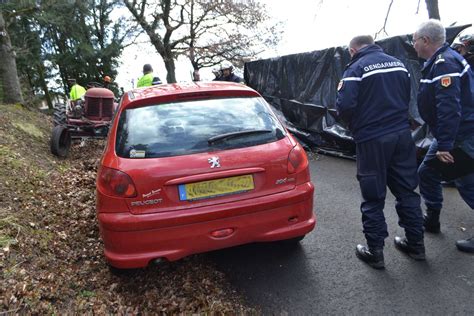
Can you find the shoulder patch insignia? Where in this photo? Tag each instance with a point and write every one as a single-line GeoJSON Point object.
{"type": "Point", "coordinates": [446, 81]}
{"type": "Point", "coordinates": [340, 85]}
{"type": "Point", "coordinates": [439, 59]}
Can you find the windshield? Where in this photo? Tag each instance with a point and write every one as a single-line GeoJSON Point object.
{"type": "Point", "coordinates": [181, 128]}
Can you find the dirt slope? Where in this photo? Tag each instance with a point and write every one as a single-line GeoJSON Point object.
{"type": "Point", "coordinates": [50, 251]}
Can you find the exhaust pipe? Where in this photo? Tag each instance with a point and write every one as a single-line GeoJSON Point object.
{"type": "Point", "coordinates": [158, 261]}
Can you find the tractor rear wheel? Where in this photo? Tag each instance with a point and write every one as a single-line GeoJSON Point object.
{"type": "Point", "coordinates": [59, 115]}
{"type": "Point", "coordinates": [60, 141]}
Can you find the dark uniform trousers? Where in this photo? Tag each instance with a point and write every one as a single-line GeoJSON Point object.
{"type": "Point", "coordinates": [430, 183]}
{"type": "Point", "coordinates": [389, 160]}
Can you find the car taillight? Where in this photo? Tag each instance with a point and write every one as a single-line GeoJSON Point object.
{"type": "Point", "coordinates": [297, 160]}
{"type": "Point", "coordinates": [115, 183]}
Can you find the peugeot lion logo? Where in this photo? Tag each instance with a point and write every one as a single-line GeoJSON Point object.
{"type": "Point", "coordinates": [214, 161]}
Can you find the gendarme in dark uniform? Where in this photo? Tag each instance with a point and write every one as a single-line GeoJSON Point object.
{"type": "Point", "coordinates": [373, 99]}
{"type": "Point", "coordinates": [446, 104]}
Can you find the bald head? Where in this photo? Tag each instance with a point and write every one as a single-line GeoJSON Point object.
{"type": "Point", "coordinates": [359, 42]}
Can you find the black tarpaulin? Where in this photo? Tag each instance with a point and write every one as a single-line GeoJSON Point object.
{"type": "Point", "coordinates": [303, 88]}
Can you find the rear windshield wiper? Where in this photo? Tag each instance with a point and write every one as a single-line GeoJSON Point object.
{"type": "Point", "coordinates": [220, 137]}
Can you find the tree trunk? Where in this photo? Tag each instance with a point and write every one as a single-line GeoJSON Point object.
{"type": "Point", "coordinates": [170, 69]}
{"type": "Point", "coordinates": [44, 86]}
{"type": "Point", "coordinates": [433, 9]}
{"type": "Point", "coordinates": [166, 54]}
{"type": "Point", "coordinates": [11, 83]}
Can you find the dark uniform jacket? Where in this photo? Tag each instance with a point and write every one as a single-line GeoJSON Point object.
{"type": "Point", "coordinates": [469, 57]}
{"type": "Point", "coordinates": [445, 99]}
{"type": "Point", "coordinates": [374, 94]}
{"type": "Point", "coordinates": [232, 78]}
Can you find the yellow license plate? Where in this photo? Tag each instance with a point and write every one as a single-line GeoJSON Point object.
{"type": "Point", "coordinates": [214, 188]}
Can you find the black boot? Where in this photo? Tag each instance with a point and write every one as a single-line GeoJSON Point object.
{"type": "Point", "coordinates": [466, 245]}
{"type": "Point", "coordinates": [373, 257]}
{"type": "Point", "coordinates": [415, 250]}
{"type": "Point", "coordinates": [431, 221]}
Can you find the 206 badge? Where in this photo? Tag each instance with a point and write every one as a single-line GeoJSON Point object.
{"type": "Point", "coordinates": [214, 161]}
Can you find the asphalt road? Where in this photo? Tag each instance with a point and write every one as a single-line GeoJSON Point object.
{"type": "Point", "coordinates": [323, 276]}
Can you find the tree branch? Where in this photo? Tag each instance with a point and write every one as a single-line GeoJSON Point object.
{"type": "Point", "coordinates": [385, 22]}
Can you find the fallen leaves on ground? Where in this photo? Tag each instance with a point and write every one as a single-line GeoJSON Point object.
{"type": "Point", "coordinates": [52, 261]}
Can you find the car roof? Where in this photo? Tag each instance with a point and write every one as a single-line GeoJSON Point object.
{"type": "Point", "coordinates": [189, 90]}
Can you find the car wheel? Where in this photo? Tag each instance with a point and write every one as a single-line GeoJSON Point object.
{"type": "Point", "coordinates": [60, 141]}
{"type": "Point", "coordinates": [59, 115]}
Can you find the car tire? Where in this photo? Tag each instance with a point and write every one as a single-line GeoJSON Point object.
{"type": "Point", "coordinates": [59, 114]}
{"type": "Point", "coordinates": [60, 141]}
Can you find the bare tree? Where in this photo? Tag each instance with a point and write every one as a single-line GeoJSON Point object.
{"type": "Point", "coordinates": [226, 30]}
{"type": "Point", "coordinates": [207, 32]}
{"type": "Point", "coordinates": [155, 17]}
{"type": "Point", "coordinates": [11, 83]}
{"type": "Point", "coordinates": [431, 6]}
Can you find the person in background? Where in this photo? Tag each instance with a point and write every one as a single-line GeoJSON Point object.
{"type": "Point", "coordinates": [373, 100]}
{"type": "Point", "coordinates": [464, 47]}
{"type": "Point", "coordinates": [148, 79]}
{"type": "Point", "coordinates": [446, 104]}
{"type": "Point", "coordinates": [77, 91]}
{"type": "Point", "coordinates": [107, 82]}
{"type": "Point", "coordinates": [217, 73]}
{"type": "Point", "coordinates": [227, 70]}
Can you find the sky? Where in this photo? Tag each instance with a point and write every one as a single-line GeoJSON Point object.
{"type": "Point", "coordinates": [313, 25]}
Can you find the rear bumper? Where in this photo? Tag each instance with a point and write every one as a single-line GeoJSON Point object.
{"type": "Point", "coordinates": [133, 241]}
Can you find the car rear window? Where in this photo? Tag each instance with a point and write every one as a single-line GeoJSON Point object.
{"type": "Point", "coordinates": [182, 128]}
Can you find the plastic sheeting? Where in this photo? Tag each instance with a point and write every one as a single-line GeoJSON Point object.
{"type": "Point", "coordinates": [303, 87]}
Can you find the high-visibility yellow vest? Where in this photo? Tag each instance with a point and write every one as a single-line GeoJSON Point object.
{"type": "Point", "coordinates": [77, 92]}
{"type": "Point", "coordinates": [145, 81]}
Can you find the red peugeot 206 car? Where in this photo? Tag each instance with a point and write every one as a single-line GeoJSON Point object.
{"type": "Point", "coordinates": [190, 168]}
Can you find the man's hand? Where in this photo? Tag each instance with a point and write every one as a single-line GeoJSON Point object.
{"type": "Point", "coordinates": [445, 156]}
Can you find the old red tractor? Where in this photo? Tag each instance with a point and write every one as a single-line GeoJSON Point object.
{"type": "Point", "coordinates": [82, 119]}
